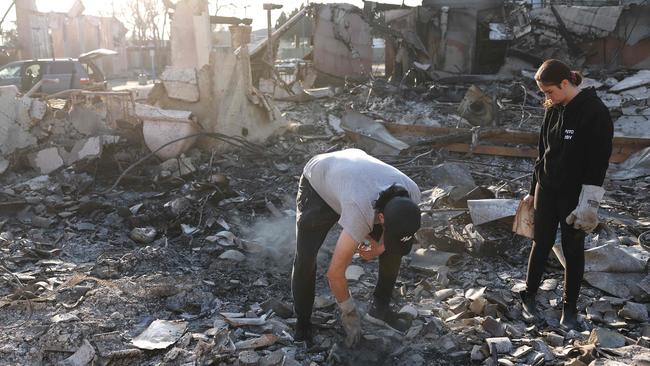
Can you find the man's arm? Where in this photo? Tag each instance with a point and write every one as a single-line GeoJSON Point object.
{"type": "Point", "coordinates": [343, 252]}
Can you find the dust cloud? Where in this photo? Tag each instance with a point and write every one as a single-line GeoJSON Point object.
{"type": "Point", "coordinates": [277, 235]}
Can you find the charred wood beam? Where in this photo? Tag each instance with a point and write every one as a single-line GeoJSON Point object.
{"type": "Point", "coordinates": [216, 19]}
{"type": "Point", "coordinates": [261, 49]}
{"type": "Point", "coordinates": [497, 141]}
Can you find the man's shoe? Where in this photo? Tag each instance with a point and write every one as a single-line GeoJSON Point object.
{"type": "Point", "coordinates": [384, 316]}
{"type": "Point", "coordinates": [569, 318]}
{"type": "Point", "coordinates": [303, 333]}
{"type": "Point", "coordinates": [529, 303]}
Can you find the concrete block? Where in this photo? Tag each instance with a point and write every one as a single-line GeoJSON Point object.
{"type": "Point", "coordinates": [500, 344]}
{"type": "Point", "coordinates": [634, 311]}
{"type": "Point", "coordinates": [88, 148]}
{"type": "Point", "coordinates": [606, 338]}
{"type": "Point", "coordinates": [161, 126]}
{"type": "Point", "coordinates": [190, 30]}
{"type": "Point", "coordinates": [88, 120]}
{"type": "Point", "coordinates": [181, 83]}
{"type": "Point", "coordinates": [46, 160]}
{"type": "Point", "coordinates": [14, 122]}
{"type": "Point", "coordinates": [494, 327]}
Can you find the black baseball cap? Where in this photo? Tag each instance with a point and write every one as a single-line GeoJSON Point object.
{"type": "Point", "coordinates": [401, 222]}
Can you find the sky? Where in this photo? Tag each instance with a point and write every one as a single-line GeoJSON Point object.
{"type": "Point", "coordinates": [238, 8]}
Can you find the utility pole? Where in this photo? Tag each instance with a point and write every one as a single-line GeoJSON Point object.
{"type": "Point", "coordinates": [269, 41]}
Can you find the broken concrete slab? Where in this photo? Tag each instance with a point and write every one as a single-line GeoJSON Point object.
{"type": "Point", "coordinates": [608, 257]}
{"type": "Point", "coordinates": [606, 338]}
{"type": "Point", "coordinates": [88, 119]}
{"type": "Point", "coordinates": [623, 285]}
{"type": "Point", "coordinates": [161, 126]}
{"type": "Point", "coordinates": [634, 355]}
{"type": "Point", "coordinates": [89, 148]}
{"type": "Point", "coordinates": [238, 108]}
{"type": "Point", "coordinates": [342, 42]}
{"type": "Point", "coordinates": [453, 175]}
{"type": "Point", "coordinates": [499, 344]}
{"type": "Point", "coordinates": [635, 166]}
{"type": "Point", "coordinates": [431, 260]}
{"type": "Point", "coordinates": [585, 21]}
{"type": "Point", "coordinates": [160, 334]}
{"type": "Point", "coordinates": [14, 122]}
{"type": "Point", "coordinates": [372, 136]}
{"type": "Point", "coordinates": [483, 211]}
{"type": "Point", "coordinates": [47, 160]}
{"type": "Point", "coordinates": [611, 101]}
{"type": "Point", "coordinates": [82, 357]}
{"type": "Point", "coordinates": [494, 327]}
{"type": "Point", "coordinates": [612, 258]}
{"type": "Point", "coordinates": [181, 83]}
{"type": "Point", "coordinates": [641, 78]}
{"type": "Point", "coordinates": [639, 94]}
{"type": "Point", "coordinates": [634, 311]}
{"type": "Point", "coordinates": [637, 125]}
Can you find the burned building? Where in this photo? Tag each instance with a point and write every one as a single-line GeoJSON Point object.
{"type": "Point", "coordinates": [68, 35]}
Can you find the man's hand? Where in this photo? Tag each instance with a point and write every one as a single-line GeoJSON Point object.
{"type": "Point", "coordinates": [351, 322]}
{"type": "Point", "coordinates": [372, 250]}
{"type": "Point", "coordinates": [528, 200]}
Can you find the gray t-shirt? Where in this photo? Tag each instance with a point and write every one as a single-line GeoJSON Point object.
{"type": "Point", "coordinates": [350, 181]}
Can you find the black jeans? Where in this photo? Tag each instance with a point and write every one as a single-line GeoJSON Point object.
{"type": "Point", "coordinates": [314, 219]}
{"type": "Point", "coordinates": [552, 208]}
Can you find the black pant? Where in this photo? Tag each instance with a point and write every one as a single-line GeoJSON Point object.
{"type": "Point", "coordinates": [551, 208]}
{"type": "Point", "coordinates": [314, 218]}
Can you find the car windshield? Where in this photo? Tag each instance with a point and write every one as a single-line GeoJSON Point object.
{"type": "Point", "coordinates": [10, 71]}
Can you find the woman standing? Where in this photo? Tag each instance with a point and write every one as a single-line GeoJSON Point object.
{"type": "Point", "coordinates": [575, 144]}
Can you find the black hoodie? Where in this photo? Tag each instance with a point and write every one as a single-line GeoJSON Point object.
{"type": "Point", "coordinates": [575, 144]}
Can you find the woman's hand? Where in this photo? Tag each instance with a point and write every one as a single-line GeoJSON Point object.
{"type": "Point", "coordinates": [370, 251]}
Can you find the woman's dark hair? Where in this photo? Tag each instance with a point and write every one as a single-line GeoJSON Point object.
{"type": "Point", "coordinates": [388, 194]}
{"type": "Point", "coordinates": [552, 72]}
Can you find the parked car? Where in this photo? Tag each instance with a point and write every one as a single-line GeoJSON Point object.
{"type": "Point", "coordinates": [79, 73]}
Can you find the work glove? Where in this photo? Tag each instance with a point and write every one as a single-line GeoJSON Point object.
{"type": "Point", "coordinates": [351, 322]}
{"type": "Point", "coordinates": [585, 215]}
